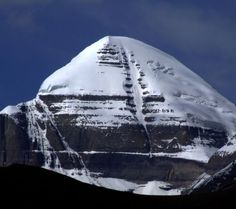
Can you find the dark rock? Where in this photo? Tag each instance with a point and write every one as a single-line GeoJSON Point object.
{"type": "Point", "coordinates": [217, 162]}
{"type": "Point", "coordinates": [220, 181]}
{"type": "Point", "coordinates": [119, 151]}
{"type": "Point", "coordinates": [14, 142]}
{"type": "Point", "coordinates": [139, 168]}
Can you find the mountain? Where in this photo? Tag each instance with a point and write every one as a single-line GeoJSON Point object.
{"type": "Point", "coordinates": [126, 116]}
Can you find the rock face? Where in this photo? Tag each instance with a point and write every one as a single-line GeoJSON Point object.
{"type": "Point", "coordinates": [219, 181]}
{"type": "Point", "coordinates": [125, 116]}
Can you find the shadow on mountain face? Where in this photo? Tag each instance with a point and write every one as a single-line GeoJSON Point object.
{"type": "Point", "coordinates": [30, 186]}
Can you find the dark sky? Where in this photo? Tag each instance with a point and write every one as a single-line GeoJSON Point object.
{"type": "Point", "coordinates": [39, 36]}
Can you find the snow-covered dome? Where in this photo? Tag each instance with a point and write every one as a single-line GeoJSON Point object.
{"type": "Point", "coordinates": [124, 66]}
{"type": "Point", "coordinates": [100, 69]}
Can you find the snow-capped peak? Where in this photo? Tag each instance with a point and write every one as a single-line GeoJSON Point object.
{"type": "Point", "coordinates": [88, 72]}
{"type": "Point", "coordinates": [122, 99]}
{"type": "Point", "coordinates": [127, 67]}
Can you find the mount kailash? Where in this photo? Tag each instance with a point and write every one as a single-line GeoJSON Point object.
{"type": "Point", "coordinates": [125, 116]}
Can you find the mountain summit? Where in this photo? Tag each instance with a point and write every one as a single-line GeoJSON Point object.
{"type": "Point", "coordinates": [125, 116]}
{"type": "Point", "coordinates": [121, 66]}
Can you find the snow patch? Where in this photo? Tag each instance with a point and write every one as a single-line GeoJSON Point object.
{"type": "Point", "coordinates": [157, 188]}
{"type": "Point", "coordinates": [228, 149]}
{"type": "Point", "coordinates": [198, 153]}
{"type": "Point", "coordinates": [10, 110]}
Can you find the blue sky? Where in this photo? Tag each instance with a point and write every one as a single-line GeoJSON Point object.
{"type": "Point", "coordinates": [39, 36]}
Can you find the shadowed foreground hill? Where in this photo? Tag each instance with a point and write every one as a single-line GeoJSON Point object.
{"type": "Point", "coordinates": [28, 187]}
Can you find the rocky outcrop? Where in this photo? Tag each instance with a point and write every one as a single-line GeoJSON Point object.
{"type": "Point", "coordinates": [16, 146]}
{"type": "Point", "coordinates": [38, 136]}
{"type": "Point", "coordinates": [219, 181]}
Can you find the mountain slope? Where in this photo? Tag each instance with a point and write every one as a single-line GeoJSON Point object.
{"type": "Point", "coordinates": [220, 181]}
{"type": "Point", "coordinates": [121, 115]}
{"type": "Point", "coordinates": [144, 72]}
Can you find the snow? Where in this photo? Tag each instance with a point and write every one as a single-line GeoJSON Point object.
{"type": "Point", "coordinates": [156, 188]}
{"type": "Point", "coordinates": [228, 149]}
{"type": "Point", "coordinates": [199, 153]}
{"type": "Point", "coordinates": [39, 135]}
{"type": "Point", "coordinates": [117, 184]}
{"type": "Point", "coordinates": [100, 113]}
{"type": "Point", "coordinates": [192, 100]}
{"type": "Point", "coordinates": [149, 188]}
{"type": "Point", "coordinates": [10, 110]}
{"type": "Point", "coordinates": [83, 76]}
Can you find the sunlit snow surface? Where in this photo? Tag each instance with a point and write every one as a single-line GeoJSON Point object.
{"type": "Point", "coordinates": [184, 91]}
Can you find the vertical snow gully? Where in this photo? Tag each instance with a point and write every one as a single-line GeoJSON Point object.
{"type": "Point", "coordinates": [149, 145]}
{"type": "Point", "coordinates": [132, 85]}
{"type": "Point", "coordinates": [132, 88]}
{"type": "Point", "coordinates": [63, 140]}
